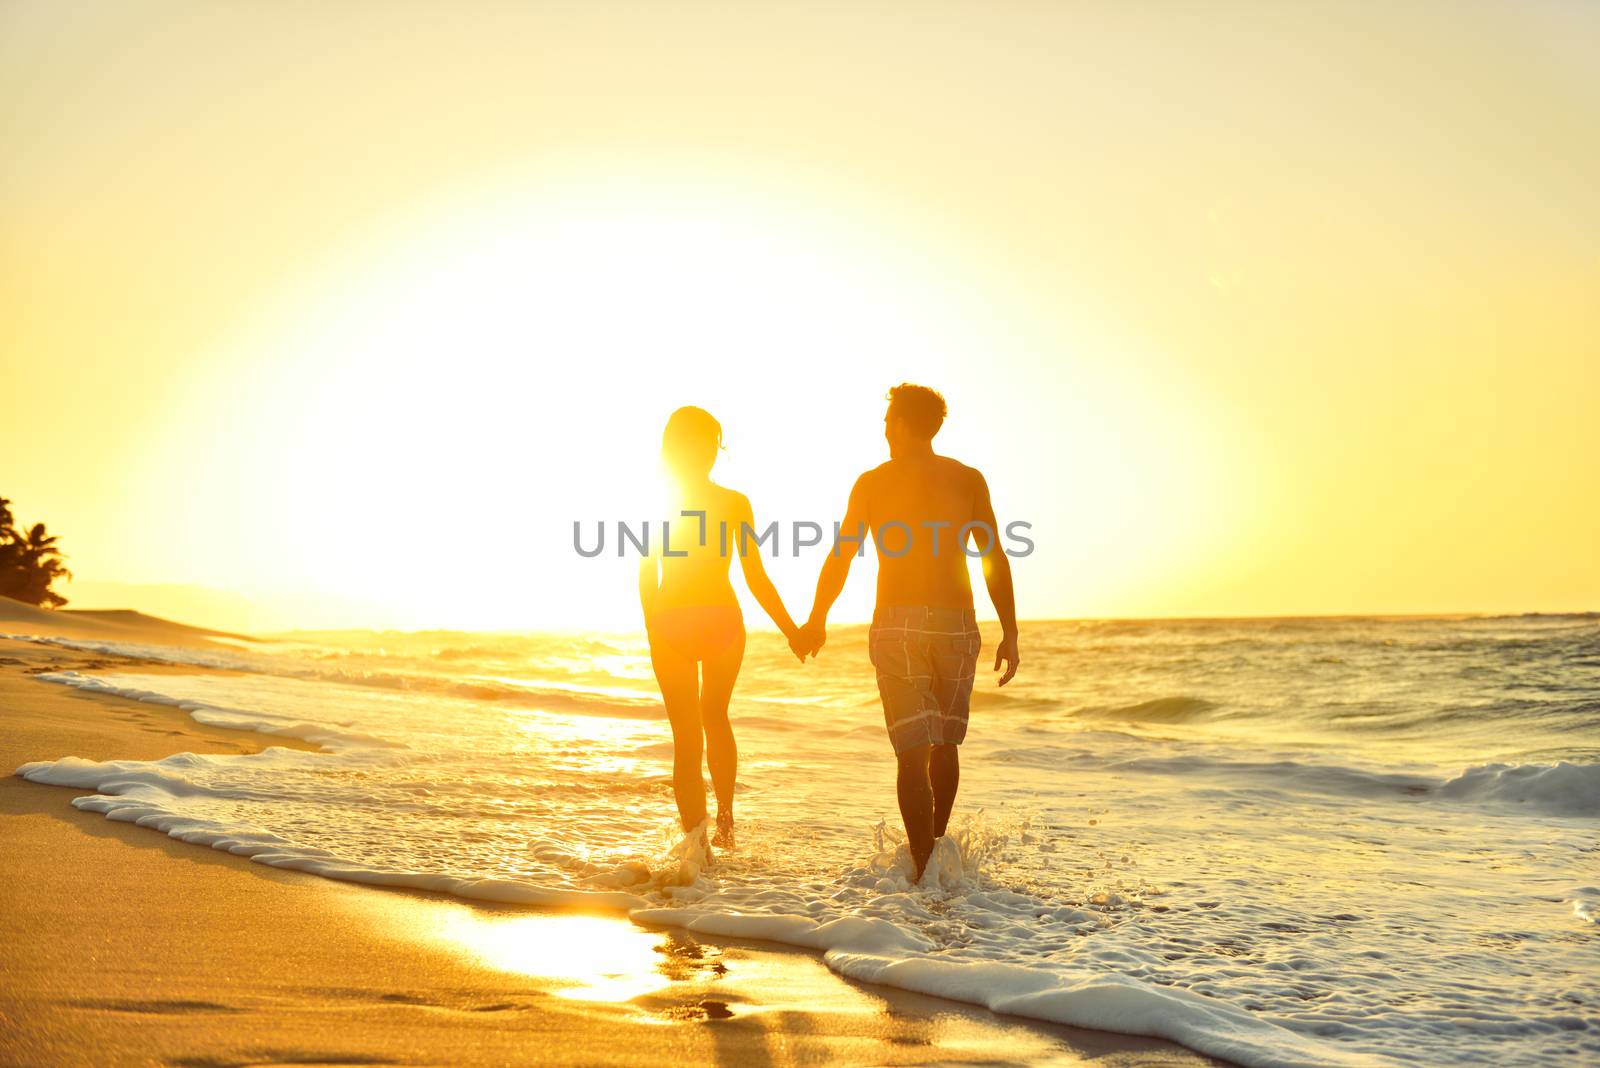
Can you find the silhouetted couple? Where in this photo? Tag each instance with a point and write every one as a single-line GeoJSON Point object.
{"type": "Point", "coordinates": [923, 511]}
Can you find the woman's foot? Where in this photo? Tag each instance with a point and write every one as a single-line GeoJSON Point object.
{"type": "Point", "coordinates": [723, 839]}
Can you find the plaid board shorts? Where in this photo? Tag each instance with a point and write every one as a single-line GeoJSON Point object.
{"type": "Point", "coordinates": [926, 659]}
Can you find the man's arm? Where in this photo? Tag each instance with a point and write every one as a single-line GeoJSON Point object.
{"type": "Point", "coordinates": [997, 577]}
{"type": "Point", "coordinates": [830, 583]}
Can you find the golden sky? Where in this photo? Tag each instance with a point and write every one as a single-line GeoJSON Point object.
{"type": "Point", "coordinates": [351, 309]}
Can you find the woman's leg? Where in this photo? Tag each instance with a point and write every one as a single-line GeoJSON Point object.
{"type": "Point", "coordinates": [678, 677]}
{"type": "Point", "coordinates": [720, 672]}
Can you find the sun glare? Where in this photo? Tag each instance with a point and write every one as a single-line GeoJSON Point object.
{"type": "Point", "coordinates": [589, 958]}
{"type": "Point", "coordinates": [417, 424]}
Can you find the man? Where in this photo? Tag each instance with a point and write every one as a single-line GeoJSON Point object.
{"type": "Point", "coordinates": [923, 510]}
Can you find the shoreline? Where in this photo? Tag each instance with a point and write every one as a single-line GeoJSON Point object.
{"type": "Point", "coordinates": [145, 948]}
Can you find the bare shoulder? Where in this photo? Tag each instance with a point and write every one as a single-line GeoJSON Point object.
{"type": "Point", "coordinates": [869, 481]}
{"type": "Point", "coordinates": [732, 502]}
{"type": "Point", "coordinates": [962, 475]}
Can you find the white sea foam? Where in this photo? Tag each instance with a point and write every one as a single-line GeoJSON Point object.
{"type": "Point", "coordinates": [1107, 1002]}
{"type": "Point", "coordinates": [1269, 904]}
{"type": "Point", "coordinates": [165, 654]}
{"type": "Point", "coordinates": [149, 794]}
{"type": "Point", "coordinates": [330, 736]}
{"type": "Point", "coordinates": [1585, 902]}
{"type": "Point", "coordinates": [1562, 789]}
{"type": "Point", "coordinates": [867, 948]}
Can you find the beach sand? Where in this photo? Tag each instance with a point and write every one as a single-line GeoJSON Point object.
{"type": "Point", "coordinates": [123, 946]}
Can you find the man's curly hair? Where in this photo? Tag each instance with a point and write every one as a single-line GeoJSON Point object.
{"type": "Point", "coordinates": [922, 408]}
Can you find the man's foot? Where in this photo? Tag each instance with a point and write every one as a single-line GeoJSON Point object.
{"type": "Point", "coordinates": [723, 839]}
{"type": "Point", "coordinates": [919, 865]}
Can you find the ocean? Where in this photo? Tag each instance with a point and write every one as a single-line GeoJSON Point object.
{"type": "Point", "coordinates": [1279, 842]}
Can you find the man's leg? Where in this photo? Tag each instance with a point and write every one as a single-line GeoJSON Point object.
{"type": "Point", "coordinates": [944, 767]}
{"type": "Point", "coordinates": [954, 660]}
{"type": "Point", "coordinates": [916, 803]}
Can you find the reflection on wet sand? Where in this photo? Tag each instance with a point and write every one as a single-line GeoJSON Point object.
{"type": "Point", "coordinates": [742, 989]}
{"type": "Point", "coordinates": [589, 958]}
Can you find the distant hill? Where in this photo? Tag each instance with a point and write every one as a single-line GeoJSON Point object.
{"type": "Point", "coordinates": [123, 624]}
{"type": "Point", "coordinates": [223, 609]}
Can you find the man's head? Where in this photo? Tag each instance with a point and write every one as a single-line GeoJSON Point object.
{"type": "Point", "coordinates": [915, 415]}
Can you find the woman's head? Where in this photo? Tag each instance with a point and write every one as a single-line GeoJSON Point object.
{"type": "Point", "coordinates": [689, 444]}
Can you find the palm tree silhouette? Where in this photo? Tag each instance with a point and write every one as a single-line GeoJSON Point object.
{"type": "Point", "coordinates": [30, 561]}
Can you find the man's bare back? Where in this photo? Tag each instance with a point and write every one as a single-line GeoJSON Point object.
{"type": "Point", "coordinates": [919, 510]}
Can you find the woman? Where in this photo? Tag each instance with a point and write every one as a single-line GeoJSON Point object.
{"type": "Point", "coordinates": [693, 619]}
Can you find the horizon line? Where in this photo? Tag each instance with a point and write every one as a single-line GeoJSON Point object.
{"type": "Point", "coordinates": [766, 627]}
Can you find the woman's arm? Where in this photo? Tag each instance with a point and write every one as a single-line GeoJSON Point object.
{"type": "Point", "coordinates": [755, 576]}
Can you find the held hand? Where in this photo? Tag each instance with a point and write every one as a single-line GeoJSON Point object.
{"type": "Point", "coordinates": [1007, 651]}
{"type": "Point", "coordinates": [798, 644]}
{"type": "Point", "coordinates": [814, 634]}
